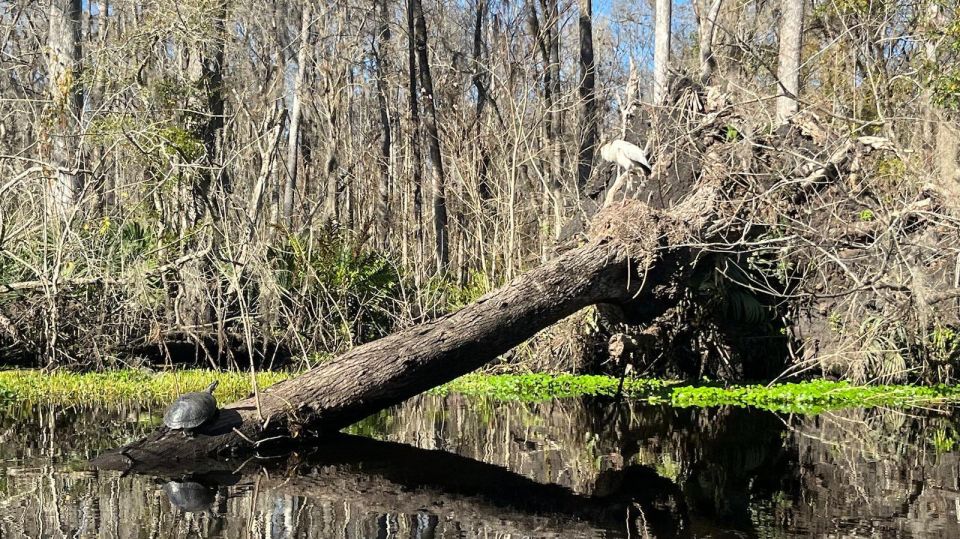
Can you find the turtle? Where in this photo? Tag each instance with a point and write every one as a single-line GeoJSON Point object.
{"type": "Point", "coordinates": [190, 496]}
{"type": "Point", "coordinates": [191, 410]}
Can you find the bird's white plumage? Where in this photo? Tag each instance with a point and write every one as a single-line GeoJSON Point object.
{"type": "Point", "coordinates": [625, 154]}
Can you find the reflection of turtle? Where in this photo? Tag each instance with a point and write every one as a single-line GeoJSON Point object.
{"type": "Point", "coordinates": [191, 410]}
{"type": "Point", "coordinates": [190, 496]}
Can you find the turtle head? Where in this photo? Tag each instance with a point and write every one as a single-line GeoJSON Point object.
{"type": "Point", "coordinates": [212, 386]}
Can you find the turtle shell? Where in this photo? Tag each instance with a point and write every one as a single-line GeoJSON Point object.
{"type": "Point", "coordinates": [190, 410]}
{"type": "Point", "coordinates": [190, 496]}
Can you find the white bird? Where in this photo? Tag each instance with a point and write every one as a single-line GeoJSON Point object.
{"type": "Point", "coordinates": [625, 155]}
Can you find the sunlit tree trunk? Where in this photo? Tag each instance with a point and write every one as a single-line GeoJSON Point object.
{"type": "Point", "coordinates": [293, 144]}
{"type": "Point", "coordinates": [939, 132]}
{"type": "Point", "coordinates": [66, 93]}
{"type": "Point", "coordinates": [788, 72]}
{"type": "Point", "coordinates": [707, 13]}
{"type": "Point", "coordinates": [661, 49]}
{"type": "Point", "coordinates": [552, 13]}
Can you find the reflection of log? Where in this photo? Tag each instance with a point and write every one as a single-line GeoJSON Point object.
{"type": "Point", "coordinates": [385, 477]}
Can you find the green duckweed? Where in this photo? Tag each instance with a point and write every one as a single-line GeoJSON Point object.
{"type": "Point", "coordinates": [810, 397]}
{"type": "Point", "coordinates": [65, 388]}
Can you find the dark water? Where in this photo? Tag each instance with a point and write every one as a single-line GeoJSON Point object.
{"type": "Point", "coordinates": [456, 467]}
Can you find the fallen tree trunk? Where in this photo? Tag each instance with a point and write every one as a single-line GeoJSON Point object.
{"type": "Point", "coordinates": [638, 257]}
{"type": "Point", "coordinates": [626, 257]}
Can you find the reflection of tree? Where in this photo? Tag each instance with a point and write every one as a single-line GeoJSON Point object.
{"type": "Point", "coordinates": [549, 466]}
{"type": "Point", "coordinates": [858, 467]}
{"type": "Point", "coordinates": [68, 432]}
{"type": "Point", "coordinates": [722, 458]}
{"type": "Point", "coordinates": [358, 487]}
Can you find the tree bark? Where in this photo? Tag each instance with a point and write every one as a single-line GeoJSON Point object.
{"type": "Point", "coordinates": [480, 80]}
{"type": "Point", "coordinates": [66, 93]}
{"type": "Point", "coordinates": [588, 97]}
{"type": "Point", "coordinates": [661, 49]}
{"type": "Point", "coordinates": [383, 188]}
{"type": "Point", "coordinates": [442, 246]}
{"type": "Point", "coordinates": [788, 72]}
{"type": "Point", "coordinates": [708, 24]}
{"type": "Point", "coordinates": [552, 13]}
{"type": "Point", "coordinates": [415, 150]}
{"type": "Point", "coordinates": [193, 306]}
{"type": "Point", "coordinates": [293, 144]}
{"type": "Point", "coordinates": [548, 44]}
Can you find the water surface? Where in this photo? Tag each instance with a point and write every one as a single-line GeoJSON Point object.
{"type": "Point", "coordinates": [466, 467]}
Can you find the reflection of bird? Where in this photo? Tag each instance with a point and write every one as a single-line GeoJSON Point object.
{"type": "Point", "coordinates": [625, 155]}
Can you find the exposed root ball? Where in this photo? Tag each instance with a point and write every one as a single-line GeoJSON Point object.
{"type": "Point", "coordinates": [631, 224]}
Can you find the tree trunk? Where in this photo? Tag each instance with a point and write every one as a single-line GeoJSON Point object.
{"type": "Point", "coordinates": [293, 144]}
{"type": "Point", "coordinates": [433, 136]}
{"type": "Point", "coordinates": [708, 23]}
{"type": "Point", "coordinates": [210, 79]}
{"type": "Point", "coordinates": [388, 371]}
{"type": "Point", "coordinates": [588, 97]}
{"type": "Point", "coordinates": [66, 94]}
{"type": "Point", "coordinates": [788, 72]}
{"type": "Point", "coordinates": [383, 188]}
{"type": "Point", "coordinates": [197, 277]}
{"type": "Point", "coordinates": [334, 207]}
{"type": "Point", "coordinates": [552, 12]}
{"type": "Point", "coordinates": [549, 46]}
{"type": "Point", "coordinates": [480, 79]}
{"type": "Point", "coordinates": [416, 154]}
{"type": "Point", "coordinates": [661, 49]}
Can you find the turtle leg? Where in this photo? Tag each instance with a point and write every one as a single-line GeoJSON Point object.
{"type": "Point", "coordinates": [187, 433]}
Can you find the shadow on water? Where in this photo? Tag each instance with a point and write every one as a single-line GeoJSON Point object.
{"type": "Point", "coordinates": [456, 466]}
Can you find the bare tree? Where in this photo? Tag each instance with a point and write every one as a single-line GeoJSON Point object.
{"type": "Point", "coordinates": [588, 96]}
{"type": "Point", "coordinates": [547, 40]}
{"type": "Point", "coordinates": [788, 71]}
{"type": "Point", "coordinates": [707, 16]}
{"type": "Point", "coordinates": [211, 54]}
{"type": "Point", "coordinates": [433, 137]}
{"type": "Point", "coordinates": [64, 68]}
{"type": "Point", "coordinates": [416, 152]}
{"type": "Point", "coordinates": [296, 114]}
{"type": "Point", "coordinates": [661, 52]}
{"type": "Point", "coordinates": [381, 53]}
